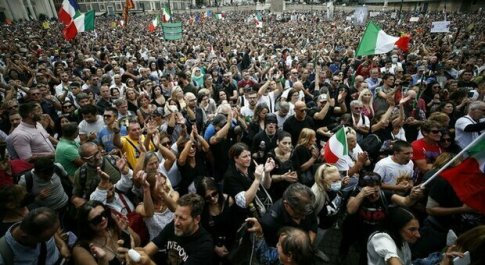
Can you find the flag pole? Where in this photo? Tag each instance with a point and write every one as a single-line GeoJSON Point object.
{"type": "Point", "coordinates": [452, 160]}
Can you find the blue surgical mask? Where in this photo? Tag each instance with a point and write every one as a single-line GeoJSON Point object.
{"type": "Point", "coordinates": [336, 186]}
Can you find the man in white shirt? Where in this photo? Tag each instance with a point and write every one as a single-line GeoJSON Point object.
{"type": "Point", "coordinates": [91, 124]}
{"type": "Point", "coordinates": [469, 127]}
{"type": "Point", "coordinates": [397, 171]}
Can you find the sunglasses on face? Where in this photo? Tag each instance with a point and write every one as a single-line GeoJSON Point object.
{"type": "Point", "coordinates": [371, 180]}
{"type": "Point", "coordinates": [99, 218]}
{"type": "Point", "coordinates": [435, 131]}
{"type": "Point", "coordinates": [213, 194]}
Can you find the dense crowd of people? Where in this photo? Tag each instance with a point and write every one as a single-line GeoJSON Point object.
{"type": "Point", "coordinates": [210, 149]}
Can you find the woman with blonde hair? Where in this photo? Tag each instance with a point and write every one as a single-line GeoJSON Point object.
{"type": "Point", "coordinates": [365, 96]}
{"type": "Point", "coordinates": [328, 196]}
{"type": "Point", "coordinates": [305, 155]}
{"type": "Point", "coordinates": [178, 95]}
{"type": "Point", "coordinates": [159, 198]}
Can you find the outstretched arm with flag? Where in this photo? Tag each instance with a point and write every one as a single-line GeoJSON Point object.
{"type": "Point", "coordinates": [376, 41]}
{"type": "Point", "coordinates": [468, 177]}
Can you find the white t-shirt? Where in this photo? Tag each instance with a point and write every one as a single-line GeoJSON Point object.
{"type": "Point", "coordinates": [86, 128]}
{"type": "Point", "coordinates": [463, 138]}
{"type": "Point", "coordinates": [390, 170]}
{"type": "Point", "coordinates": [381, 247]}
{"type": "Point", "coordinates": [348, 161]}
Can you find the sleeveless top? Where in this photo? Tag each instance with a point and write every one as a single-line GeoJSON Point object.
{"type": "Point", "coordinates": [158, 221]}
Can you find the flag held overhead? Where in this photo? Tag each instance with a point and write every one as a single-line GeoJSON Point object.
{"type": "Point", "coordinates": [376, 41]}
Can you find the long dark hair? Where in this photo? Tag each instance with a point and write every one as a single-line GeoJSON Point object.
{"type": "Point", "coordinates": [396, 219]}
{"type": "Point", "coordinates": [86, 234]}
{"type": "Point", "coordinates": [206, 184]}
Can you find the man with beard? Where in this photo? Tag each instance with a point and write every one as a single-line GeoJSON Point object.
{"type": "Point", "coordinates": [87, 177]}
{"type": "Point", "coordinates": [30, 140]}
{"type": "Point", "coordinates": [184, 240]}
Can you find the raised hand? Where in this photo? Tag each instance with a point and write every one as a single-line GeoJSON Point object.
{"type": "Point", "coordinates": [259, 171]}
{"type": "Point", "coordinates": [122, 164]}
{"type": "Point", "coordinates": [102, 174]}
{"type": "Point", "coordinates": [269, 165]}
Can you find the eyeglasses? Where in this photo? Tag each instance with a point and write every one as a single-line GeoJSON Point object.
{"type": "Point", "coordinates": [91, 156]}
{"type": "Point", "coordinates": [166, 144]}
{"type": "Point", "coordinates": [67, 106]}
{"type": "Point", "coordinates": [99, 218]}
{"type": "Point", "coordinates": [358, 108]}
{"type": "Point", "coordinates": [435, 131]}
{"type": "Point", "coordinates": [213, 194]}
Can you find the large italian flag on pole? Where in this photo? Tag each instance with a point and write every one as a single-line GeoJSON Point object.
{"type": "Point", "coordinates": [468, 177]}
{"type": "Point", "coordinates": [166, 14]}
{"type": "Point", "coordinates": [336, 147]}
{"type": "Point", "coordinates": [376, 41]}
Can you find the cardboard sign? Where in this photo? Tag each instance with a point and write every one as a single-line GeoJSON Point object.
{"type": "Point", "coordinates": [440, 26]}
{"type": "Point", "coordinates": [414, 19]}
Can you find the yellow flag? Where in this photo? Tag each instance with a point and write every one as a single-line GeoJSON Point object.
{"type": "Point", "coordinates": [45, 25]}
{"type": "Point", "coordinates": [113, 24]}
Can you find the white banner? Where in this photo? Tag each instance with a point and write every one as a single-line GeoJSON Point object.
{"type": "Point", "coordinates": [440, 26]}
{"type": "Point", "coordinates": [414, 19]}
{"type": "Point", "coordinates": [374, 13]}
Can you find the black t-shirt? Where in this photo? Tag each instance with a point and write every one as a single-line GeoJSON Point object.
{"type": "Point", "coordinates": [277, 218]}
{"type": "Point", "coordinates": [294, 127]}
{"type": "Point", "coordinates": [371, 214]}
{"type": "Point", "coordinates": [300, 156]}
{"type": "Point", "coordinates": [195, 249]}
{"type": "Point", "coordinates": [190, 173]}
{"type": "Point", "coordinates": [442, 192]}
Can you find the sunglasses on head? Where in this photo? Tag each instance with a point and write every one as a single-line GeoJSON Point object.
{"type": "Point", "coordinates": [370, 180]}
{"type": "Point", "coordinates": [99, 218]}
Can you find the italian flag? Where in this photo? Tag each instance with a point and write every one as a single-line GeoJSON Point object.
{"type": "Point", "coordinates": [468, 177]}
{"type": "Point", "coordinates": [376, 41]}
{"type": "Point", "coordinates": [154, 24]}
{"type": "Point", "coordinates": [166, 14]}
{"type": "Point", "coordinates": [336, 147]}
{"type": "Point", "coordinates": [83, 22]}
{"type": "Point", "coordinates": [219, 16]}
{"type": "Point", "coordinates": [258, 19]}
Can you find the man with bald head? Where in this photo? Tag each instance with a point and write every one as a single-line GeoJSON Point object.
{"type": "Point", "coordinates": [295, 123]}
{"type": "Point", "coordinates": [298, 86]}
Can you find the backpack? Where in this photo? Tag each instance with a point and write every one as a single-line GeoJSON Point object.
{"type": "Point", "coordinates": [7, 253]}
{"type": "Point", "coordinates": [66, 183]}
{"type": "Point", "coordinates": [83, 171]}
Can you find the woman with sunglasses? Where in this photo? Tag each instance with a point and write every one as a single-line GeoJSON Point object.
{"type": "Point", "coordinates": [390, 244]}
{"type": "Point", "coordinates": [367, 208]}
{"type": "Point", "coordinates": [217, 217]}
{"type": "Point", "coordinates": [98, 235]}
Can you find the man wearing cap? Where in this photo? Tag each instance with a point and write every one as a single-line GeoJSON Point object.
{"type": "Point", "coordinates": [418, 77]}
{"type": "Point", "coordinates": [294, 124]}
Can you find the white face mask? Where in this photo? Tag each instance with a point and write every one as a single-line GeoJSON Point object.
{"type": "Point", "coordinates": [394, 60]}
{"type": "Point", "coordinates": [336, 186]}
